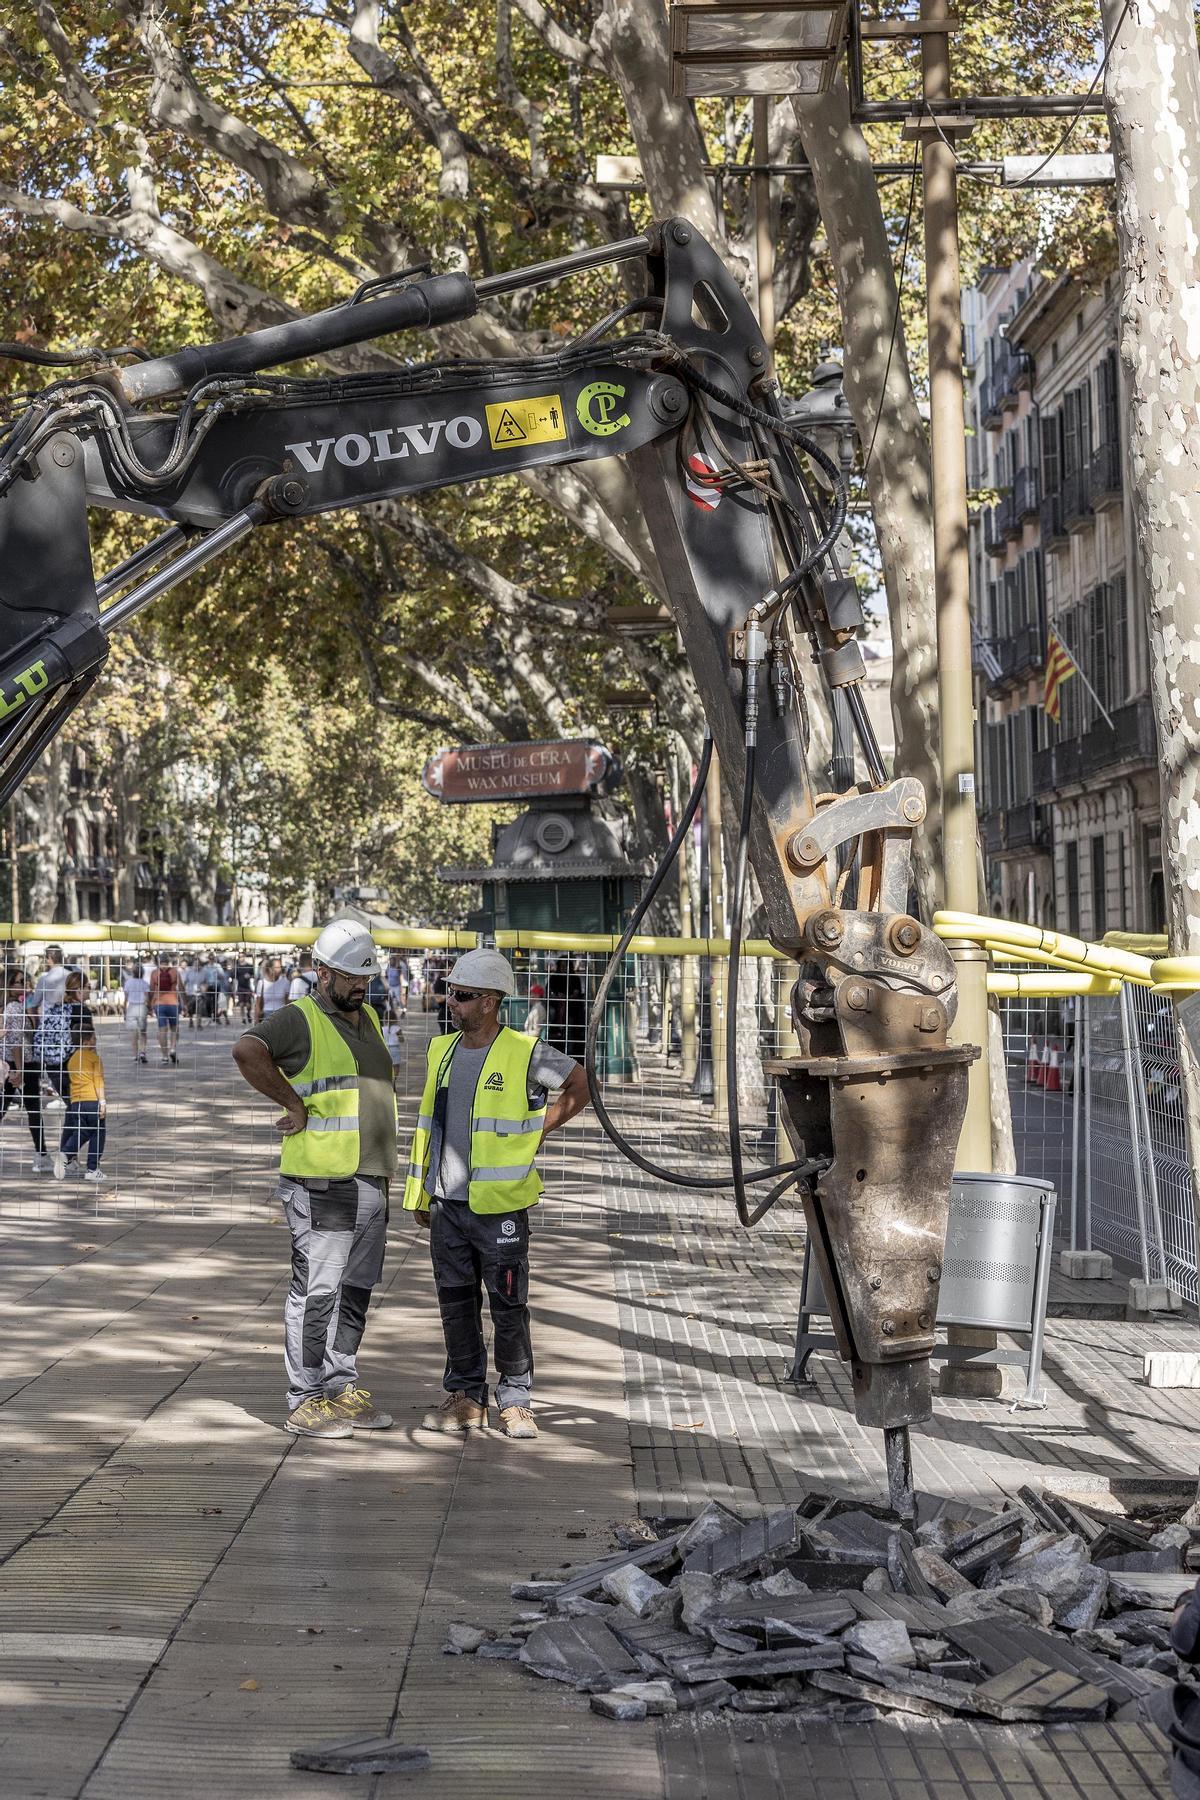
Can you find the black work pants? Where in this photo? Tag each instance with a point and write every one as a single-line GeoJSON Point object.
{"type": "Point", "coordinates": [474, 1253]}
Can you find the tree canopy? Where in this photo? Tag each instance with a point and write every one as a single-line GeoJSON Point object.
{"type": "Point", "coordinates": [178, 172]}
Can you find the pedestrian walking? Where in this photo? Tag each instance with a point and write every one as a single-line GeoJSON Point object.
{"type": "Point", "coordinates": [243, 986]}
{"type": "Point", "coordinates": [193, 992]}
{"type": "Point", "coordinates": [323, 1059]}
{"type": "Point", "coordinates": [164, 997]}
{"type": "Point", "coordinates": [303, 979]}
{"type": "Point", "coordinates": [224, 988]}
{"type": "Point", "coordinates": [136, 985]}
{"type": "Point", "coordinates": [397, 975]}
{"type": "Point", "coordinates": [15, 1041]}
{"type": "Point", "coordinates": [271, 990]}
{"type": "Point", "coordinates": [472, 1180]}
{"type": "Point", "coordinates": [50, 986]}
{"type": "Point", "coordinates": [84, 1128]}
{"type": "Point", "coordinates": [60, 1031]}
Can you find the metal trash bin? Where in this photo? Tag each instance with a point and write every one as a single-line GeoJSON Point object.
{"type": "Point", "coordinates": [995, 1274]}
{"type": "Point", "coordinates": [990, 1270]}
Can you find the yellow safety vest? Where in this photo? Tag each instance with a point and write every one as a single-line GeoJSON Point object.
{"type": "Point", "coordinates": [328, 1084]}
{"type": "Point", "coordinates": [505, 1132]}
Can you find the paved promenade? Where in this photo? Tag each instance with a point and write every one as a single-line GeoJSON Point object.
{"type": "Point", "coordinates": [186, 1593]}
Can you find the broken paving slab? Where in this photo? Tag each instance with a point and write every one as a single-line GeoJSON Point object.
{"type": "Point", "coordinates": [363, 1756]}
{"type": "Point", "coordinates": [1149, 1591]}
{"type": "Point", "coordinates": [575, 1650]}
{"type": "Point", "coordinates": [941, 1698]}
{"type": "Point", "coordinates": [622, 1707]}
{"type": "Point", "coordinates": [716, 1521]}
{"type": "Point", "coordinates": [754, 1665]}
{"type": "Point", "coordinates": [850, 1537]}
{"type": "Point", "coordinates": [804, 1618]}
{"type": "Point", "coordinates": [652, 1645]}
{"type": "Point", "coordinates": [585, 1583]}
{"type": "Point", "coordinates": [1033, 1693]}
{"type": "Point", "coordinates": [658, 1697]}
{"type": "Point", "coordinates": [883, 1640]}
{"type": "Point", "coordinates": [996, 1647]}
{"type": "Point", "coordinates": [771, 1539]}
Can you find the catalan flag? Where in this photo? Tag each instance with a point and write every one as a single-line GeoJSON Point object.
{"type": "Point", "coordinates": [1060, 665]}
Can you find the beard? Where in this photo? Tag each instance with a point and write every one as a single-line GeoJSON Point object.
{"type": "Point", "coordinates": [346, 1003]}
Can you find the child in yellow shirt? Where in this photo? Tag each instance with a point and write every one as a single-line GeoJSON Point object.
{"type": "Point", "coordinates": [85, 1120]}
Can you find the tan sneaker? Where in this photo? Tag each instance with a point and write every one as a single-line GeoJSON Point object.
{"type": "Point", "coordinates": [355, 1404]}
{"type": "Point", "coordinates": [518, 1422]}
{"type": "Point", "coordinates": [457, 1412]}
{"type": "Point", "coordinates": [316, 1418]}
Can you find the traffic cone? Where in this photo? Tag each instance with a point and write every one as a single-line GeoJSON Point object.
{"type": "Point", "coordinates": [1052, 1076]}
{"type": "Point", "coordinates": [1033, 1063]}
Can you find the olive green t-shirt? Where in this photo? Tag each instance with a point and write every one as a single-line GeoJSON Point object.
{"type": "Point", "coordinates": [287, 1037]}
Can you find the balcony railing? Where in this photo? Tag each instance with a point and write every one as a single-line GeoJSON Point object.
{"type": "Point", "coordinates": [990, 409]}
{"type": "Point", "coordinates": [1131, 738]}
{"type": "Point", "coordinates": [1020, 827]}
{"type": "Point", "coordinates": [1076, 500]}
{"type": "Point", "coordinates": [1026, 827]}
{"type": "Point", "coordinates": [1026, 493]}
{"type": "Point", "coordinates": [994, 541]}
{"type": "Point", "coordinates": [1010, 525]}
{"type": "Point", "coordinates": [1020, 653]}
{"type": "Point", "coordinates": [1051, 514]}
{"type": "Point", "coordinates": [1104, 475]}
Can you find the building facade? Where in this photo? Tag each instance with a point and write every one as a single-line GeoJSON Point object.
{"type": "Point", "coordinates": [1070, 811]}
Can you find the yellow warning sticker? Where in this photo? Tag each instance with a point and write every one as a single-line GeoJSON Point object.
{"type": "Point", "coordinates": [517, 422]}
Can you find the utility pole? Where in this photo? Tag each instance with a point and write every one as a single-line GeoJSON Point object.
{"type": "Point", "coordinates": [948, 451]}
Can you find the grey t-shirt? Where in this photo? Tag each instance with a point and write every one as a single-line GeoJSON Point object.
{"type": "Point", "coordinates": [450, 1152]}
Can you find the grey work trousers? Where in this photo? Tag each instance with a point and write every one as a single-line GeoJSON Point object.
{"type": "Point", "coordinates": [339, 1229]}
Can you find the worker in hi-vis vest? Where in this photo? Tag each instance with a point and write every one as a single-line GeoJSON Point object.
{"type": "Point", "coordinates": [322, 1057]}
{"type": "Point", "coordinates": [471, 1181]}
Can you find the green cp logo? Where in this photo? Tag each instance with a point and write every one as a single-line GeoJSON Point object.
{"type": "Point", "coordinates": [596, 408]}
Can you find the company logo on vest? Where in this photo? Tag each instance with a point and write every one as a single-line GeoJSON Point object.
{"type": "Point", "coordinates": [494, 1083]}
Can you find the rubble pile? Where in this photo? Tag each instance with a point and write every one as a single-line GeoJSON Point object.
{"type": "Point", "coordinates": [1048, 1611]}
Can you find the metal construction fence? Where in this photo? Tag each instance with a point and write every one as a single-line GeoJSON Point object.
{"type": "Point", "coordinates": [1091, 1065]}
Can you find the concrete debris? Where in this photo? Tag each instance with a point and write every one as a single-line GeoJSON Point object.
{"type": "Point", "coordinates": [1048, 1611]}
{"type": "Point", "coordinates": [634, 1589]}
{"type": "Point", "coordinates": [619, 1706]}
{"type": "Point", "coordinates": [658, 1697]}
{"type": "Point", "coordinates": [714, 1522]}
{"type": "Point", "coordinates": [885, 1640]}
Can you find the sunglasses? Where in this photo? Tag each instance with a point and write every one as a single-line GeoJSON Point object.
{"type": "Point", "coordinates": [465, 994]}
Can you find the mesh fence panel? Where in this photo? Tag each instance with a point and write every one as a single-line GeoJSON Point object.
{"type": "Point", "coordinates": [1106, 1125]}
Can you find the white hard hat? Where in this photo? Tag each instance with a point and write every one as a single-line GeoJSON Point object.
{"type": "Point", "coordinates": [348, 947]}
{"type": "Point", "coordinates": [483, 969]}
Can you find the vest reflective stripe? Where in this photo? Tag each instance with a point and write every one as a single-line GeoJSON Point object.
{"type": "Point", "coordinates": [504, 1139]}
{"type": "Point", "coordinates": [326, 1085]}
{"type": "Point", "coordinates": [330, 1146]}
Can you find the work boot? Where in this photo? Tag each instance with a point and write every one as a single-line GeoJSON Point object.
{"type": "Point", "coordinates": [457, 1412]}
{"type": "Point", "coordinates": [316, 1418]}
{"type": "Point", "coordinates": [354, 1403]}
{"type": "Point", "coordinates": [517, 1422]}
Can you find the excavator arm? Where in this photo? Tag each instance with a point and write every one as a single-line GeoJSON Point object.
{"type": "Point", "coordinates": [208, 442]}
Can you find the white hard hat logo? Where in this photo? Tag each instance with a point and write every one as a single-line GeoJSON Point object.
{"type": "Point", "coordinates": [348, 947]}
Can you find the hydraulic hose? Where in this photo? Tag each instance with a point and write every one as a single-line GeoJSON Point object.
{"type": "Point", "coordinates": [790, 1171]}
